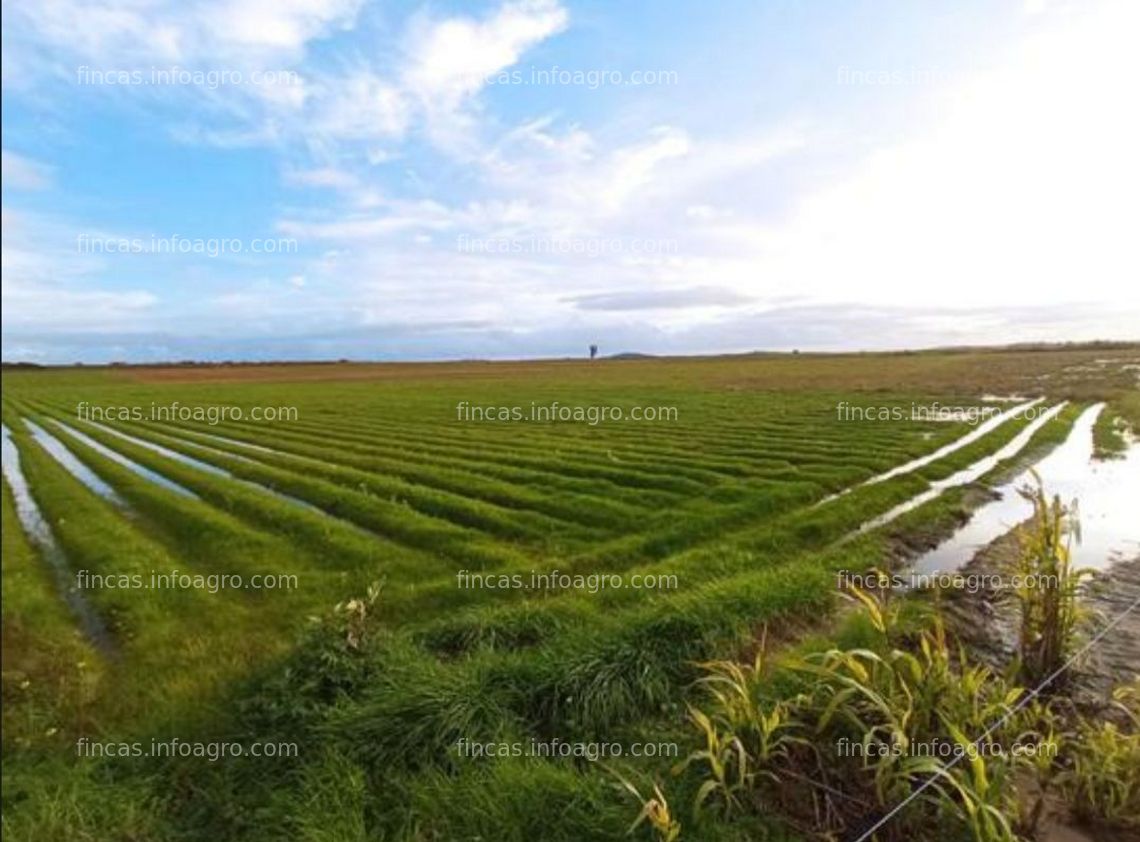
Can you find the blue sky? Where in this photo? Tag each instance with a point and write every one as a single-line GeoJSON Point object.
{"type": "Point", "coordinates": [267, 179]}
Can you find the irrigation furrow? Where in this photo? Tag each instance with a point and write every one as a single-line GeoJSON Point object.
{"type": "Point", "coordinates": [611, 472]}
{"type": "Point", "coordinates": [38, 531]}
{"type": "Point", "coordinates": [510, 489]}
{"type": "Point", "coordinates": [131, 465]}
{"type": "Point", "coordinates": [57, 450]}
{"type": "Point", "coordinates": [272, 471]}
{"type": "Point", "coordinates": [970, 473]}
{"type": "Point", "coordinates": [447, 438]}
{"type": "Point", "coordinates": [922, 461]}
{"type": "Point", "coordinates": [396, 522]}
{"type": "Point", "coordinates": [323, 553]}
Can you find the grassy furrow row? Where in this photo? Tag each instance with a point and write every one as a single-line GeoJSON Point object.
{"type": "Point", "coordinates": [765, 542]}
{"type": "Point", "coordinates": [518, 438]}
{"type": "Point", "coordinates": [529, 439]}
{"type": "Point", "coordinates": [596, 472]}
{"type": "Point", "coordinates": [50, 673]}
{"type": "Point", "coordinates": [641, 452]}
{"type": "Point", "coordinates": [568, 499]}
{"type": "Point", "coordinates": [172, 632]}
{"type": "Point", "coordinates": [508, 488]}
{"type": "Point", "coordinates": [280, 473]}
{"type": "Point", "coordinates": [319, 532]}
{"type": "Point", "coordinates": [600, 670]}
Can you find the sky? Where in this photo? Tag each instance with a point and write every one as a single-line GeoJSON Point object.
{"type": "Point", "coordinates": [324, 179]}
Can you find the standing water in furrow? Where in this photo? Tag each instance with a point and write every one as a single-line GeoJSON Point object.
{"type": "Point", "coordinates": [1106, 491]}
{"type": "Point", "coordinates": [39, 532]}
{"type": "Point", "coordinates": [58, 451]}
{"type": "Point", "coordinates": [968, 474]}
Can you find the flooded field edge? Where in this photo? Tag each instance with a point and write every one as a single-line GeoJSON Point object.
{"type": "Point", "coordinates": [39, 532]}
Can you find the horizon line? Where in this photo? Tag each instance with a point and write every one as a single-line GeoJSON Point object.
{"type": "Point", "coordinates": [621, 356]}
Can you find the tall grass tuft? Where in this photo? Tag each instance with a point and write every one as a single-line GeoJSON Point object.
{"type": "Point", "coordinates": [1102, 782]}
{"type": "Point", "coordinates": [1047, 585]}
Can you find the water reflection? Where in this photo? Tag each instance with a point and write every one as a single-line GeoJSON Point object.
{"type": "Point", "coordinates": [207, 467]}
{"type": "Point", "coordinates": [115, 456]}
{"type": "Point", "coordinates": [73, 466]}
{"type": "Point", "coordinates": [1107, 492]}
{"type": "Point", "coordinates": [970, 474]}
{"type": "Point", "coordinates": [988, 426]}
{"type": "Point", "coordinates": [40, 534]}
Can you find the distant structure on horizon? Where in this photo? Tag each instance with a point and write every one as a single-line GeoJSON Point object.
{"type": "Point", "coordinates": [593, 351]}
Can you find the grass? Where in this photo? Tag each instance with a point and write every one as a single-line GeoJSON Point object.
{"type": "Point", "coordinates": [377, 482]}
{"type": "Point", "coordinates": [1119, 421]}
{"type": "Point", "coordinates": [839, 737]}
{"type": "Point", "coordinates": [1050, 616]}
{"type": "Point", "coordinates": [49, 671]}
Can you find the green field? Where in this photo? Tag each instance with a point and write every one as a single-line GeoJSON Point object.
{"type": "Point", "coordinates": [664, 542]}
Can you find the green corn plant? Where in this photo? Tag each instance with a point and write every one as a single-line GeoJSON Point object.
{"type": "Point", "coordinates": [890, 699]}
{"type": "Point", "coordinates": [654, 810]}
{"type": "Point", "coordinates": [985, 798]}
{"type": "Point", "coordinates": [1103, 781]}
{"type": "Point", "coordinates": [1048, 584]}
{"type": "Point", "coordinates": [898, 698]}
{"type": "Point", "coordinates": [743, 739]}
{"type": "Point", "coordinates": [723, 753]}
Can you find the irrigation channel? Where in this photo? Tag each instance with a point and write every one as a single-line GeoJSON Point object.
{"type": "Point", "coordinates": [969, 474]}
{"type": "Point", "coordinates": [198, 464]}
{"type": "Point", "coordinates": [1106, 492]}
{"type": "Point", "coordinates": [39, 532]}
{"type": "Point", "coordinates": [914, 464]}
{"type": "Point", "coordinates": [58, 451]}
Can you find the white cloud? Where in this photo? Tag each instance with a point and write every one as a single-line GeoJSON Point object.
{"type": "Point", "coordinates": [1023, 190]}
{"type": "Point", "coordinates": [42, 307]}
{"type": "Point", "coordinates": [634, 168]}
{"type": "Point", "coordinates": [428, 73]}
{"type": "Point", "coordinates": [137, 33]}
{"type": "Point", "coordinates": [402, 216]}
{"type": "Point", "coordinates": [49, 285]}
{"type": "Point", "coordinates": [22, 173]}
{"type": "Point", "coordinates": [330, 177]}
{"type": "Point", "coordinates": [277, 24]}
{"type": "Point", "coordinates": [452, 58]}
{"type": "Point", "coordinates": [359, 105]}
{"type": "Point", "coordinates": [249, 56]}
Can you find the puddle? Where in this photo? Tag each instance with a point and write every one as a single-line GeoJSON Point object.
{"type": "Point", "coordinates": [73, 466]}
{"type": "Point", "coordinates": [208, 468]}
{"type": "Point", "coordinates": [185, 438]}
{"type": "Point", "coordinates": [215, 450]}
{"type": "Point", "coordinates": [986, 427]}
{"type": "Point", "coordinates": [39, 533]}
{"type": "Point", "coordinates": [971, 473]}
{"type": "Point", "coordinates": [914, 464]}
{"type": "Point", "coordinates": [1002, 398]}
{"type": "Point", "coordinates": [1106, 492]}
{"type": "Point", "coordinates": [238, 443]}
{"type": "Point", "coordinates": [135, 467]}
{"type": "Point", "coordinates": [164, 451]}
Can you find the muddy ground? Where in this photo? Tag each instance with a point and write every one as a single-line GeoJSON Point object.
{"type": "Point", "coordinates": [987, 622]}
